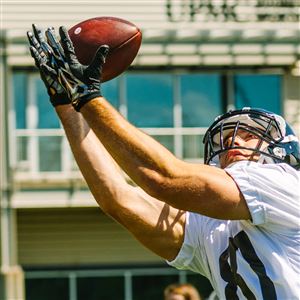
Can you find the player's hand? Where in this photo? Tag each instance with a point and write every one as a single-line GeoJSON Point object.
{"type": "Point", "coordinates": [44, 61]}
{"type": "Point", "coordinates": [81, 82]}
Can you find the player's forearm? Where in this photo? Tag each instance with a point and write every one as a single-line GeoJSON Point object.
{"type": "Point", "coordinates": [145, 160]}
{"type": "Point", "coordinates": [158, 172]}
{"type": "Point", "coordinates": [99, 170]}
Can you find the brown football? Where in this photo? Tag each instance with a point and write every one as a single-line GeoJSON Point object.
{"type": "Point", "coordinates": [123, 38]}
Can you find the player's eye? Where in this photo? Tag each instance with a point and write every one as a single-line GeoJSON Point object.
{"type": "Point", "coordinates": [250, 136]}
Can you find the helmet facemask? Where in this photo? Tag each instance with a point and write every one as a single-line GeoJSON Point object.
{"type": "Point", "coordinates": [268, 128]}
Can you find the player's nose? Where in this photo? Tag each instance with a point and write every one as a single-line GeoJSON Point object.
{"type": "Point", "coordinates": [237, 141]}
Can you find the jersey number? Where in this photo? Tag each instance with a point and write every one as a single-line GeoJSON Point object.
{"type": "Point", "coordinates": [234, 279]}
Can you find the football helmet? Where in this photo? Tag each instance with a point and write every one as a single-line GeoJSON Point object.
{"type": "Point", "coordinates": [283, 144]}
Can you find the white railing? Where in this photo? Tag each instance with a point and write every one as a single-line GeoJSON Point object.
{"type": "Point", "coordinates": [34, 154]}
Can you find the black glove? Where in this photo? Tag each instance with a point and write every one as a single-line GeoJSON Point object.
{"type": "Point", "coordinates": [44, 58]}
{"type": "Point", "coordinates": [82, 83]}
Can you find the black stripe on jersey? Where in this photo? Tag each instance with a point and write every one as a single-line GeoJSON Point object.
{"type": "Point", "coordinates": [229, 272]}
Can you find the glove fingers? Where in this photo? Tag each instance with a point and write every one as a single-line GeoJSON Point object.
{"type": "Point", "coordinates": [34, 53]}
{"type": "Point", "coordinates": [32, 40]}
{"type": "Point", "coordinates": [38, 58]}
{"type": "Point", "coordinates": [45, 61]}
{"type": "Point", "coordinates": [68, 46]}
{"type": "Point", "coordinates": [38, 33]}
{"type": "Point", "coordinates": [58, 44]}
{"type": "Point", "coordinates": [99, 58]}
{"type": "Point", "coordinates": [39, 40]}
{"type": "Point", "coordinates": [54, 43]}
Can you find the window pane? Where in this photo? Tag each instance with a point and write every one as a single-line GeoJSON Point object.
{"type": "Point", "coordinates": [109, 288]}
{"type": "Point", "coordinates": [22, 143]}
{"type": "Point", "coordinates": [47, 117]}
{"type": "Point", "coordinates": [201, 283]}
{"type": "Point", "coordinates": [20, 91]}
{"type": "Point", "coordinates": [47, 289]}
{"type": "Point", "coordinates": [50, 153]}
{"type": "Point", "coordinates": [258, 91]}
{"type": "Point", "coordinates": [110, 91]}
{"type": "Point", "coordinates": [22, 153]}
{"type": "Point", "coordinates": [193, 146]}
{"type": "Point", "coordinates": [151, 287]}
{"type": "Point", "coordinates": [150, 100]}
{"type": "Point", "coordinates": [201, 99]}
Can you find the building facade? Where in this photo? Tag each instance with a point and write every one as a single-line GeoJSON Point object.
{"type": "Point", "coordinates": [198, 59]}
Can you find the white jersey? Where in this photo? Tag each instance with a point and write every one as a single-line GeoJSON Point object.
{"type": "Point", "coordinates": [257, 259]}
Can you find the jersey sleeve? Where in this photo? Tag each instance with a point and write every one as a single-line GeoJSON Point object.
{"type": "Point", "coordinates": [191, 255]}
{"type": "Point", "coordinates": [203, 237]}
{"type": "Point", "coordinates": [271, 192]}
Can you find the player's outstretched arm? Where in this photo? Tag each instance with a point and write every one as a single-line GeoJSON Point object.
{"type": "Point", "coordinates": [155, 224]}
{"type": "Point", "coordinates": [199, 188]}
{"type": "Point", "coordinates": [193, 187]}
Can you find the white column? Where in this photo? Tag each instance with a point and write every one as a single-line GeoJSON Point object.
{"type": "Point", "coordinates": [11, 275]}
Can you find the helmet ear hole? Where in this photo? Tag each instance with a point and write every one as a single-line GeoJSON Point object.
{"type": "Point", "coordinates": [280, 152]}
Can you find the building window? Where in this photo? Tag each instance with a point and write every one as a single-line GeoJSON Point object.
{"type": "Point", "coordinates": [143, 286]}
{"type": "Point", "coordinates": [200, 99]}
{"type": "Point", "coordinates": [50, 153]}
{"type": "Point", "coordinates": [109, 284]}
{"type": "Point", "coordinates": [39, 99]}
{"type": "Point", "coordinates": [20, 98]}
{"type": "Point", "coordinates": [111, 91]}
{"type": "Point", "coordinates": [95, 288]}
{"type": "Point", "coordinates": [150, 100]}
{"type": "Point", "coordinates": [258, 91]}
{"type": "Point", "coordinates": [174, 108]}
{"type": "Point", "coordinates": [47, 289]}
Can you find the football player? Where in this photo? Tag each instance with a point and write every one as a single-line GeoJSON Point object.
{"type": "Point", "coordinates": [234, 219]}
